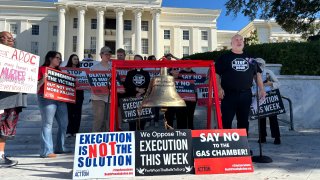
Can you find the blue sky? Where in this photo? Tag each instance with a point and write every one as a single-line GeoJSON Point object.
{"type": "Point", "coordinates": [224, 22]}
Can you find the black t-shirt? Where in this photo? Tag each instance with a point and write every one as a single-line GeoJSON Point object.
{"type": "Point", "coordinates": [136, 78]}
{"type": "Point", "coordinates": [236, 71]}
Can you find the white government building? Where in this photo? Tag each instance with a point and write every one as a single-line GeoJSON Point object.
{"type": "Point", "coordinates": [139, 26]}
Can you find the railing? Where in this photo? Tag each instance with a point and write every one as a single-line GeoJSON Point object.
{"type": "Point", "coordinates": [291, 114]}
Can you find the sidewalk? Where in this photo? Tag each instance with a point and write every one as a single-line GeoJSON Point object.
{"type": "Point", "coordinates": [298, 157]}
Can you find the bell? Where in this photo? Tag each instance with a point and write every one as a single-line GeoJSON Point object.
{"type": "Point", "coordinates": [162, 92]}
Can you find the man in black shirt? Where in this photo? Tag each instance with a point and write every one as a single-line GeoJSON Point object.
{"type": "Point", "coordinates": [235, 71]}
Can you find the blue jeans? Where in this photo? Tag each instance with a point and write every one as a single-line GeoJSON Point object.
{"type": "Point", "coordinates": [49, 110]}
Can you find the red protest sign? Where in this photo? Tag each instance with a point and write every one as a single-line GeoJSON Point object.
{"type": "Point", "coordinates": [221, 151]}
{"type": "Point", "coordinates": [60, 86]}
{"type": "Point", "coordinates": [81, 76]}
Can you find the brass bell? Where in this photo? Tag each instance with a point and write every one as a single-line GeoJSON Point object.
{"type": "Point", "coordinates": [162, 92]}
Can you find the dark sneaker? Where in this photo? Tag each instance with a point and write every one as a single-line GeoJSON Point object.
{"type": "Point", "coordinates": [63, 152]}
{"type": "Point", "coordinates": [277, 141]}
{"type": "Point", "coordinates": [5, 162]}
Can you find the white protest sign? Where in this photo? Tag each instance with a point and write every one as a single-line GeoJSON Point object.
{"type": "Point", "coordinates": [104, 155]}
{"type": "Point", "coordinates": [18, 70]}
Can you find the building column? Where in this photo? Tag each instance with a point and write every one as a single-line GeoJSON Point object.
{"type": "Point", "coordinates": [213, 40]}
{"type": "Point", "coordinates": [119, 35]}
{"type": "Point", "coordinates": [138, 14]}
{"type": "Point", "coordinates": [195, 40]}
{"type": "Point", "coordinates": [61, 30]}
{"type": "Point", "coordinates": [176, 40]}
{"type": "Point", "coordinates": [155, 29]}
{"type": "Point", "coordinates": [80, 34]}
{"type": "Point", "coordinates": [99, 36]}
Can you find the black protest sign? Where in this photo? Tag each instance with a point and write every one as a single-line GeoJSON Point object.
{"type": "Point", "coordinates": [221, 151]}
{"type": "Point", "coordinates": [198, 78]}
{"type": "Point", "coordinates": [60, 86]}
{"type": "Point", "coordinates": [129, 109]}
{"type": "Point", "coordinates": [99, 81]}
{"type": "Point", "coordinates": [163, 152]}
{"type": "Point", "coordinates": [186, 89]}
{"type": "Point", "coordinates": [272, 105]}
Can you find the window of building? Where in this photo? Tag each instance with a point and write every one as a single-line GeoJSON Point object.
{"type": "Point", "coordinates": [54, 46]}
{"type": "Point", "coordinates": [127, 25]}
{"type": "Point", "coordinates": [75, 23]}
{"type": "Point", "coordinates": [93, 41]}
{"type": "Point", "coordinates": [204, 49]}
{"type": "Point", "coordinates": [166, 34]}
{"type": "Point", "coordinates": [185, 51]}
{"type": "Point", "coordinates": [14, 28]}
{"type": "Point", "coordinates": [144, 26]}
{"type": "Point", "coordinates": [204, 35]}
{"type": "Point", "coordinates": [93, 23]}
{"type": "Point", "coordinates": [185, 35]}
{"type": "Point", "coordinates": [54, 30]}
{"type": "Point", "coordinates": [35, 29]}
{"type": "Point", "coordinates": [34, 47]}
{"type": "Point", "coordinates": [127, 44]}
{"type": "Point", "coordinates": [145, 46]}
{"type": "Point", "coordinates": [74, 44]}
{"type": "Point", "coordinates": [166, 49]}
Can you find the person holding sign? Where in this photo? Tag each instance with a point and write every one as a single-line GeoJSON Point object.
{"type": "Point", "coordinates": [136, 84]}
{"type": "Point", "coordinates": [11, 104]}
{"type": "Point", "coordinates": [235, 71]}
{"type": "Point", "coordinates": [51, 109]}
{"type": "Point", "coordinates": [270, 82]}
{"type": "Point", "coordinates": [74, 110]}
{"type": "Point", "coordinates": [100, 103]}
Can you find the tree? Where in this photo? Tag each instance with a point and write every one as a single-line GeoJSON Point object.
{"type": "Point", "coordinates": [294, 16]}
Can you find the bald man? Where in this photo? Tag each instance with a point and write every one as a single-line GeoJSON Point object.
{"type": "Point", "coordinates": [235, 71]}
{"type": "Point", "coordinates": [11, 105]}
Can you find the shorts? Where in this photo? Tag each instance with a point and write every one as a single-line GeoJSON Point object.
{"type": "Point", "coordinates": [8, 123]}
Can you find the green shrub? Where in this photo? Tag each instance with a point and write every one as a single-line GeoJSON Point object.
{"type": "Point", "coordinates": [296, 58]}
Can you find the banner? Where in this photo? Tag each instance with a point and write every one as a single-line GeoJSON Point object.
{"type": "Point", "coordinates": [272, 105]}
{"type": "Point", "coordinates": [18, 70]}
{"type": "Point", "coordinates": [129, 109]}
{"type": "Point", "coordinates": [104, 155]}
{"type": "Point", "coordinates": [100, 81]}
{"type": "Point", "coordinates": [88, 63]}
{"type": "Point", "coordinates": [202, 95]}
{"type": "Point", "coordinates": [186, 89]}
{"type": "Point", "coordinates": [221, 151]}
{"type": "Point", "coordinates": [81, 76]}
{"type": "Point", "coordinates": [60, 86]}
{"type": "Point", "coordinates": [163, 152]}
{"type": "Point", "coordinates": [198, 78]}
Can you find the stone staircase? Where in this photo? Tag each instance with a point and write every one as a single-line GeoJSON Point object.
{"type": "Point", "coordinates": [27, 140]}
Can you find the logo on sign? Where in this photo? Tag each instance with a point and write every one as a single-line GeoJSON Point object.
{"type": "Point", "coordinates": [240, 64]}
{"type": "Point", "coordinates": [138, 80]}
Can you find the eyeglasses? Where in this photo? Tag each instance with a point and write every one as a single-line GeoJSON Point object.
{"type": "Point", "coordinates": [176, 69]}
{"type": "Point", "coordinates": [8, 38]}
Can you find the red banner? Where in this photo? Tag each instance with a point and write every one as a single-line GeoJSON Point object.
{"type": "Point", "coordinates": [81, 76]}
{"type": "Point", "coordinates": [221, 151]}
{"type": "Point", "coordinates": [60, 86]}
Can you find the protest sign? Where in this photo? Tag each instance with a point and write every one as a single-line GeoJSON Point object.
{"type": "Point", "coordinates": [99, 81]}
{"type": "Point", "coordinates": [104, 155]}
{"type": "Point", "coordinates": [221, 151]}
{"type": "Point", "coordinates": [202, 94]}
{"type": "Point", "coordinates": [60, 86]}
{"type": "Point", "coordinates": [186, 89]}
{"type": "Point", "coordinates": [81, 76]}
{"type": "Point", "coordinates": [18, 70]}
{"type": "Point", "coordinates": [272, 105]}
{"type": "Point", "coordinates": [163, 152]}
{"type": "Point", "coordinates": [88, 63]}
{"type": "Point", "coordinates": [129, 109]}
{"type": "Point", "coordinates": [198, 78]}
